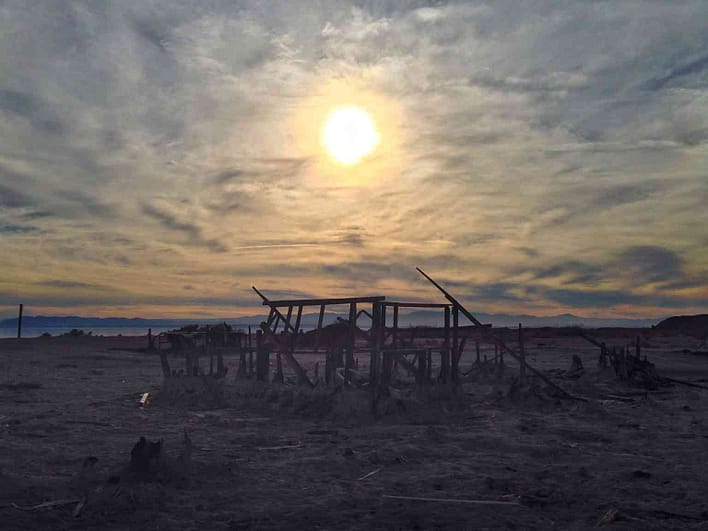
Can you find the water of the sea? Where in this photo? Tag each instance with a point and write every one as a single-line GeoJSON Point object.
{"type": "Point", "coordinates": [96, 331]}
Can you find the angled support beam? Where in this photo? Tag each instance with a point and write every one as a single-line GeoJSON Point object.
{"type": "Point", "coordinates": [501, 343]}
{"type": "Point", "coordinates": [277, 312]}
{"type": "Point", "coordinates": [299, 371]}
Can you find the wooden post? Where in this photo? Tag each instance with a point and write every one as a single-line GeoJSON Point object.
{"type": "Point", "coordinates": [422, 369]}
{"type": "Point", "coordinates": [319, 327]}
{"type": "Point", "coordinates": [445, 352]}
{"type": "Point", "coordinates": [522, 358]}
{"type": "Point", "coordinates": [602, 362]}
{"type": "Point", "coordinates": [455, 344]}
{"type": "Point", "coordinates": [165, 364]}
{"type": "Point", "coordinates": [285, 345]}
{"type": "Point", "coordinates": [349, 354]}
{"type": "Point", "coordinates": [637, 348]}
{"type": "Point", "coordinates": [429, 365]}
{"type": "Point", "coordinates": [209, 350]}
{"type": "Point", "coordinates": [476, 346]}
{"type": "Point", "coordinates": [374, 341]}
{"type": "Point", "coordinates": [279, 377]}
{"type": "Point", "coordinates": [387, 365]}
{"type": "Point", "coordinates": [259, 348]}
{"type": "Point", "coordinates": [250, 363]}
{"type": "Point", "coordinates": [240, 350]}
{"type": "Point", "coordinates": [19, 323]}
{"type": "Point", "coordinates": [395, 327]}
{"type": "Point", "coordinates": [298, 319]}
{"type": "Point", "coordinates": [328, 367]}
{"type": "Point", "coordinates": [382, 329]}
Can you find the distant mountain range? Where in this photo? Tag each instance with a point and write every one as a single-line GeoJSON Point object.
{"type": "Point", "coordinates": [416, 318]}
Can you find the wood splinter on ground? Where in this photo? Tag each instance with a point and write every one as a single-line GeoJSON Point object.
{"type": "Point", "coordinates": [450, 500]}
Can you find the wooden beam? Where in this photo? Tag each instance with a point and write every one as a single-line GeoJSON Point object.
{"type": "Point", "coordinates": [365, 313]}
{"type": "Point", "coordinates": [589, 339]}
{"type": "Point", "coordinates": [318, 302]}
{"type": "Point", "coordinates": [395, 326]}
{"type": "Point", "coordinates": [298, 319]}
{"type": "Point", "coordinates": [290, 359]}
{"type": "Point", "coordinates": [522, 354]}
{"type": "Point", "coordinates": [452, 299]}
{"type": "Point", "coordinates": [417, 304]}
{"type": "Point", "coordinates": [278, 313]}
{"type": "Point", "coordinates": [19, 323]}
{"type": "Point", "coordinates": [455, 343]}
{"type": "Point", "coordinates": [320, 320]}
{"type": "Point", "coordinates": [500, 342]}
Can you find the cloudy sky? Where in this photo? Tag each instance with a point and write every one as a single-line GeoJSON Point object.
{"type": "Point", "coordinates": [158, 158]}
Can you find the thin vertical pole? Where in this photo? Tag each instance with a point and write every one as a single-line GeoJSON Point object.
{"type": "Point", "coordinates": [455, 345]}
{"type": "Point", "coordinates": [349, 359]}
{"type": "Point", "coordinates": [395, 326]}
{"type": "Point", "coordinates": [293, 341]}
{"type": "Point", "coordinates": [319, 327]}
{"type": "Point", "coordinates": [19, 323]}
{"type": "Point", "coordinates": [445, 355]}
{"type": "Point", "coordinates": [522, 357]}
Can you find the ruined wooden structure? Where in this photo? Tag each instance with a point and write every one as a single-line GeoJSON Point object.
{"type": "Point", "coordinates": [192, 343]}
{"type": "Point", "coordinates": [383, 343]}
{"type": "Point", "coordinates": [425, 356]}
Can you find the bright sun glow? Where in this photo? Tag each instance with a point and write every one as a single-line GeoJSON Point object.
{"type": "Point", "coordinates": [349, 134]}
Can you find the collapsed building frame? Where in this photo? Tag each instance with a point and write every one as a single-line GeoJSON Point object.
{"type": "Point", "coordinates": [385, 345]}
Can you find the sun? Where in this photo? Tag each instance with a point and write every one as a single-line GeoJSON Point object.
{"type": "Point", "coordinates": [349, 134]}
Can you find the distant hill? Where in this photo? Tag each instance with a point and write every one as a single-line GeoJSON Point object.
{"type": "Point", "coordinates": [309, 320]}
{"type": "Point", "coordinates": [690, 325]}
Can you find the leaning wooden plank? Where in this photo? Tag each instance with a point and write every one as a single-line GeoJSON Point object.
{"type": "Point", "coordinates": [499, 341]}
{"type": "Point", "coordinates": [318, 302]}
{"type": "Point", "coordinates": [590, 340]}
{"type": "Point", "coordinates": [451, 500]}
{"type": "Point", "coordinates": [290, 360]}
{"type": "Point", "coordinates": [277, 312]}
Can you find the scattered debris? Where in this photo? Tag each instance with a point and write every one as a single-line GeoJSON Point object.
{"type": "Point", "coordinates": [373, 472]}
{"type": "Point", "coordinates": [45, 505]}
{"type": "Point", "coordinates": [609, 517]}
{"type": "Point", "coordinates": [144, 398]}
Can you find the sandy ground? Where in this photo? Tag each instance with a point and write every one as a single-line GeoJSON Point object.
{"type": "Point", "coordinates": [267, 463]}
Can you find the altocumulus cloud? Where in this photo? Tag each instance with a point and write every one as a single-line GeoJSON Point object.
{"type": "Point", "coordinates": [551, 156]}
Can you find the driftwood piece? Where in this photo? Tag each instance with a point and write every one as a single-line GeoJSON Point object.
{"type": "Point", "coordinates": [451, 500]}
{"type": "Point", "coordinates": [373, 472]}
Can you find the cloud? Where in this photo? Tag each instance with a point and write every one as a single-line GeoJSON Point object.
{"type": "Point", "coordinates": [542, 157]}
{"type": "Point", "coordinates": [650, 263]}
{"type": "Point", "coordinates": [194, 233]}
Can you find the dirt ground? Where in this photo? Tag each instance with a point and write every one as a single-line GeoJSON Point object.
{"type": "Point", "coordinates": [273, 460]}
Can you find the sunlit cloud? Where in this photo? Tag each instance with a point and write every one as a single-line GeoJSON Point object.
{"type": "Point", "coordinates": [540, 159]}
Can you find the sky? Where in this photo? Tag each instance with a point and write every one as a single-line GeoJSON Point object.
{"type": "Point", "coordinates": [158, 158]}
